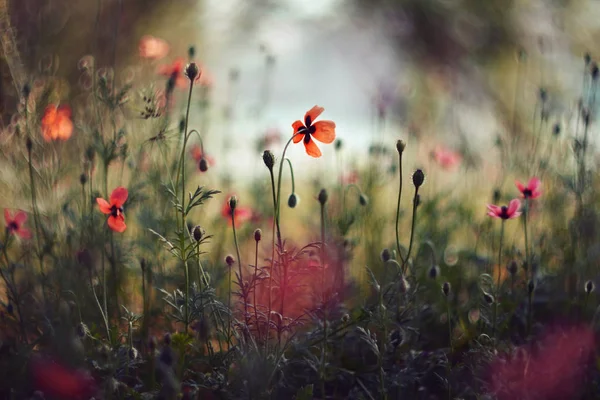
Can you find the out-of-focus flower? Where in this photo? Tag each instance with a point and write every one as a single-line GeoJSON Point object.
{"type": "Point", "coordinates": [446, 158]}
{"type": "Point", "coordinates": [114, 208]}
{"type": "Point", "coordinates": [56, 123]}
{"type": "Point", "coordinates": [198, 155]}
{"type": "Point", "coordinates": [349, 178]}
{"type": "Point", "coordinates": [505, 212]}
{"type": "Point", "coordinates": [323, 131]}
{"type": "Point", "coordinates": [153, 48]}
{"type": "Point", "coordinates": [14, 224]}
{"type": "Point", "coordinates": [532, 190]}
{"type": "Point", "coordinates": [61, 382]}
{"type": "Point", "coordinates": [241, 214]}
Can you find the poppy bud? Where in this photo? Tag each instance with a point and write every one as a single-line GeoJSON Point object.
{"type": "Point", "coordinates": [90, 154]}
{"type": "Point", "coordinates": [26, 90]}
{"type": "Point", "coordinates": [191, 52]}
{"type": "Point", "coordinates": [512, 267]}
{"type": "Point", "coordinates": [233, 203]}
{"type": "Point", "coordinates": [530, 287]}
{"type": "Point", "coordinates": [323, 197]}
{"type": "Point", "coordinates": [28, 143]}
{"type": "Point", "coordinates": [587, 58]}
{"type": "Point", "coordinates": [488, 298]}
{"type": "Point", "coordinates": [589, 287]}
{"type": "Point", "coordinates": [418, 178]}
{"type": "Point", "coordinates": [446, 288]}
{"type": "Point", "coordinates": [203, 165]}
{"type": "Point", "coordinates": [434, 272]}
{"type": "Point", "coordinates": [257, 235]}
{"type": "Point", "coordinates": [496, 196]}
{"type": "Point", "coordinates": [192, 71]}
{"type": "Point", "coordinates": [83, 179]}
{"type": "Point", "coordinates": [543, 95]}
{"type": "Point", "coordinates": [363, 200]}
{"type": "Point", "coordinates": [385, 255]}
{"type": "Point", "coordinates": [293, 200]}
{"type": "Point", "coordinates": [198, 233]}
{"type": "Point", "coordinates": [338, 144]}
{"type": "Point", "coordinates": [269, 159]}
{"type": "Point", "coordinates": [345, 318]}
{"type": "Point", "coordinates": [229, 260]}
{"type": "Point", "coordinates": [181, 125]}
{"type": "Point", "coordinates": [400, 146]}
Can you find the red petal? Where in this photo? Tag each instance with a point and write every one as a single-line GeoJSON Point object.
{"type": "Point", "coordinates": [513, 207]}
{"type": "Point", "coordinates": [7, 217]}
{"type": "Point", "coordinates": [118, 197]}
{"type": "Point", "coordinates": [20, 218]}
{"type": "Point", "coordinates": [324, 131]}
{"type": "Point", "coordinates": [24, 233]}
{"type": "Point", "coordinates": [297, 125]}
{"type": "Point", "coordinates": [103, 205]}
{"type": "Point", "coordinates": [117, 224]}
{"type": "Point", "coordinates": [534, 184]}
{"type": "Point", "coordinates": [494, 209]}
{"type": "Point", "coordinates": [312, 149]}
{"type": "Point", "coordinates": [313, 113]}
{"type": "Point", "coordinates": [520, 186]}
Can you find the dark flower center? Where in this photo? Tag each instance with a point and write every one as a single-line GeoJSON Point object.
{"type": "Point", "coordinates": [504, 212]}
{"type": "Point", "coordinates": [116, 211]}
{"type": "Point", "coordinates": [527, 192]}
{"type": "Point", "coordinates": [13, 226]}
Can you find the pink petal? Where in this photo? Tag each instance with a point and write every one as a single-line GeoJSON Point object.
{"type": "Point", "coordinates": [24, 233]}
{"type": "Point", "coordinates": [515, 215]}
{"type": "Point", "coordinates": [20, 218]}
{"type": "Point", "coordinates": [534, 184]}
{"type": "Point", "coordinates": [493, 215]}
{"type": "Point", "coordinates": [513, 206]}
{"type": "Point", "coordinates": [520, 186]}
{"type": "Point", "coordinates": [7, 217]}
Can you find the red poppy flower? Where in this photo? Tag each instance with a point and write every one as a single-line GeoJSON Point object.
{"type": "Point", "coordinates": [118, 197]}
{"type": "Point", "coordinates": [242, 214]}
{"type": "Point", "coordinates": [323, 131]}
{"type": "Point", "coordinates": [505, 212]}
{"type": "Point", "coordinates": [15, 224]}
{"type": "Point", "coordinates": [532, 190]}
{"type": "Point", "coordinates": [446, 158]}
{"type": "Point", "coordinates": [59, 382]}
{"type": "Point", "coordinates": [56, 123]}
{"type": "Point", "coordinates": [153, 48]}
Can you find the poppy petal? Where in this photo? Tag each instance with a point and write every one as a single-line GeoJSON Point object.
{"type": "Point", "coordinates": [494, 209]}
{"type": "Point", "coordinates": [7, 217]}
{"type": "Point", "coordinates": [297, 125]}
{"type": "Point", "coordinates": [534, 184]}
{"type": "Point", "coordinates": [312, 114]}
{"type": "Point", "coordinates": [493, 214]}
{"type": "Point", "coordinates": [513, 206]}
{"type": "Point", "coordinates": [520, 186]}
{"type": "Point", "coordinates": [64, 111]}
{"type": "Point", "coordinates": [20, 218]}
{"type": "Point", "coordinates": [118, 197]}
{"type": "Point", "coordinates": [324, 131]}
{"type": "Point", "coordinates": [64, 129]}
{"type": "Point", "coordinates": [514, 215]}
{"type": "Point", "coordinates": [103, 205]}
{"type": "Point", "coordinates": [117, 224]}
{"type": "Point", "coordinates": [312, 149]}
{"type": "Point", "coordinates": [24, 233]}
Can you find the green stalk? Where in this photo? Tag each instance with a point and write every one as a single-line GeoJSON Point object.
{"type": "Point", "coordinates": [237, 251]}
{"type": "Point", "coordinates": [529, 268]}
{"type": "Point", "coordinates": [398, 210]}
{"type": "Point", "coordinates": [496, 294]}
{"type": "Point", "coordinates": [412, 232]}
{"type": "Point", "coordinates": [255, 284]}
{"type": "Point", "coordinates": [322, 259]}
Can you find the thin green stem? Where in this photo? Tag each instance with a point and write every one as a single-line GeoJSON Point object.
{"type": "Point", "coordinates": [241, 278]}
{"type": "Point", "coordinates": [278, 197]}
{"type": "Point", "coordinates": [529, 267]}
{"type": "Point", "coordinates": [324, 302]}
{"type": "Point", "coordinates": [496, 292]}
{"type": "Point", "coordinates": [398, 211]}
{"type": "Point", "coordinates": [255, 283]}
{"type": "Point", "coordinates": [412, 231]}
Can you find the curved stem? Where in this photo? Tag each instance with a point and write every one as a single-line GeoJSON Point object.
{"type": "Point", "coordinates": [292, 174]}
{"type": "Point", "coordinates": [412, 232]}
{"type": "Point", "coordinates": [398, 212]}
{"type": "Point", "coordinates": [278, 196]}
{"type": "Point", "coordinates": [241, 278]}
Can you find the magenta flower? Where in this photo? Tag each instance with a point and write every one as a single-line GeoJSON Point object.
{"type": "Point", "coordinates": [505, 212]}
{"type": "Point", "coordinates": [532, 190]}
{"type": "Point", "coordinates": [15, 224]}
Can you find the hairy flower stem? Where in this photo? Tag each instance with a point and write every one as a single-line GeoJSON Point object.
{"type": "Point", "coordinates": [398, 210]}
{"type": "Point", "coordinates": [273, 190]}
{"type": "Point", "coordinates": [323, 300]}
{"type": "Point", "coordinates": [412, 232]}
{"type": "Point", "coordinates": [241, 277]}
{"type": "Point", "coordinates": [255, 283]}
{"type": "Point", "coordinates": [497, 291]}
{"type": "Point", "coordinates": [36, 217]}
{"type": "Point", "coordinates": [529, 264]}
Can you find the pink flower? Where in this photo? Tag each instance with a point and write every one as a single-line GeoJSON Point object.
{"type": "Point", "coordinates": [446, 158]}
{"type": "Point", "coordinates": [532, 190]}
{"type": "Point", "coordinates": [153, 48]}
{"type": "Point", "coordinates": [349, 178]}
{"type": "Point", "coordinates": [15, 224]}
{"type": "Point", "coordinates": [505, 212]}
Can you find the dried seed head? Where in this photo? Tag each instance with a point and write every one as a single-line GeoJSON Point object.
{"type": "Point", "coordinates": [589, 287]}
{"type": "Point", "coordinates": [434, 272]}
{"type": "Point", "coordinates": [385, 255]}
{"type": "Point", "coordinates": [269, 159]}
{"type": "Point", "coordinates": [203, 165]}
{"type": "Point", "coordinates": [418, 178]}
{"type": "Point", "coordinates": [198, 233]}
{"type": "Point", "coordinates": [192, 71]}
{"type": "Point", "coordinates": [363, 200]}
{"type": "Point", "coordinates": [257, 235]}
{"type": "Point", "coordinates": [323, 196]}
{"type": "Point", "coordinates": [446, 288]}
{"type": "Point", "coordinates": [512, 267]}
{"type": "Point", "coordinates": [233, 203]}
{"type": "Point", "coordinates": [229, 260]}
{"type": "Point", "coordinates": [400, 146]}
{"type": "Point", "coordinates": [489, 299]}
{"type": "Point", "coordinates": [293, 200]}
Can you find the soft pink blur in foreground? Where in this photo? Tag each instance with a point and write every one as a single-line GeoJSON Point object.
{"type": "Point", "coordinates": [553, 371]}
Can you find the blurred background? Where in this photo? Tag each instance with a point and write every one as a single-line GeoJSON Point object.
{"type": "Point", "coordinates": [447, 71]}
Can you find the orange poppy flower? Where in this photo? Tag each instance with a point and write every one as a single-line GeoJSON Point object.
{"type": "Point", "coordinates": [323, 131]}
{"type": "Point", "coordinates": [114, 208]}
{"type": "Point", "coordinates": [56, 123]}
{"type": "Point", "coordinates": [153, 48]}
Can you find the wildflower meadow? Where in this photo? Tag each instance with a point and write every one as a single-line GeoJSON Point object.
{"type": "Point", "coordinates": [142, 257]}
